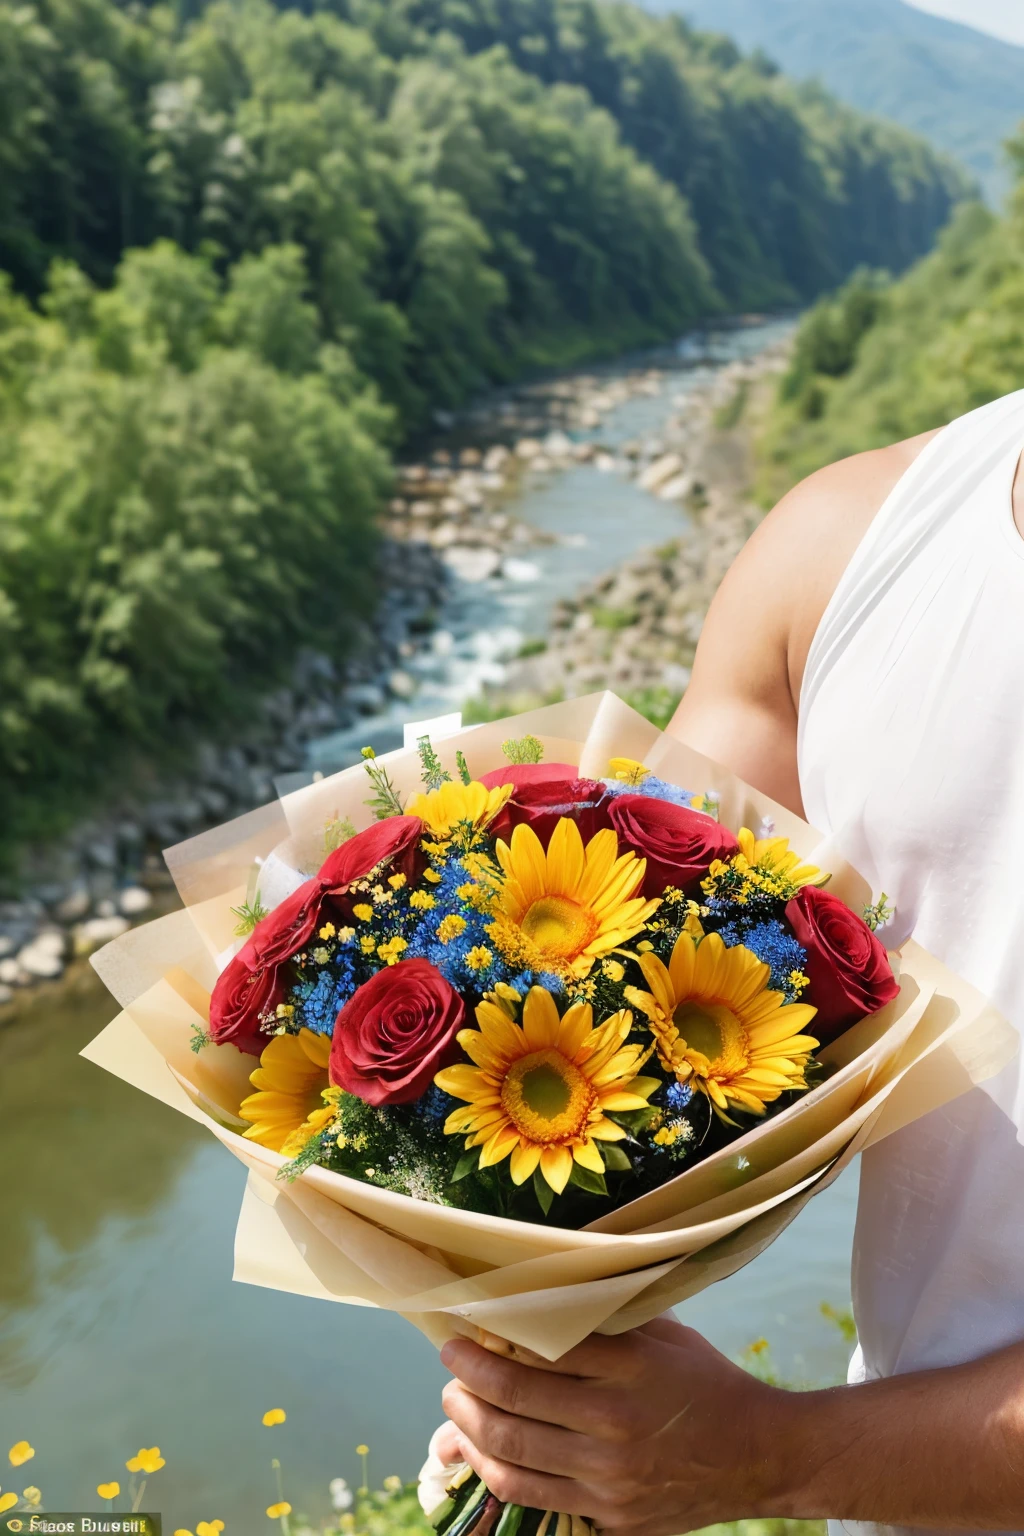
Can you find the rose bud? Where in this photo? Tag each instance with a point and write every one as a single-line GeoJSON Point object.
{"type": "Point", "coordinates": [544, 793]}
{"type": "Point", "coordinates": [245, 989]}
{"type": "Point", "coordinates": [397, 840]}
{"type": "Point", "coordinates": [254, 982]}
{"type": "Point", "coordinates": [395, 1033]}
{"type": "Point", "coordinates": [847, 966]}
{"type": "Point", "coordinates": [679, 845]}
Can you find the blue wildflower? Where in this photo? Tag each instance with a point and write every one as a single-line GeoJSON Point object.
{"type": "Point", "coordinates": [771, 943]}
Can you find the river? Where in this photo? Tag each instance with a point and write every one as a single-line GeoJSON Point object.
{"type": "Point", "coordinates": [121, 1326]}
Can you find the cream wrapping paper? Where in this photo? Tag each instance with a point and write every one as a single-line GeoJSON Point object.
{"type": "Point", "coordinates": [453, 1271]}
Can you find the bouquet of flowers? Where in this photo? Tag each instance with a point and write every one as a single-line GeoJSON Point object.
{"type": "Point", "coordinates": [571, 1028]}
{"type": "Point", "coordinates": [539, 995]}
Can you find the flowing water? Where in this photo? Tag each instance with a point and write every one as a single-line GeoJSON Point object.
{"type": "Point", "coordinates": [121, 1326]}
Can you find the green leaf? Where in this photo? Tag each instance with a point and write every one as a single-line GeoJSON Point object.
{"type": "Point", "coordinates": [511, 1517]}
{"type": "Point", "coordinates": [614, 1157]}
{"type": "Point", "coordinates": [542, 1189]}
{"type": "Point", "coordinates": [463, 767]}
{"type": "Point", "coordinates": [593, 1183]}
{"type": "Point", "coordinates": [467, 1163]}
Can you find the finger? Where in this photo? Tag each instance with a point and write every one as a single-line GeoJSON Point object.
{"type": "Point", "coordinates": [444, 1444]}
{"type": "Point", "coordinates": [532, 1490]}
{"type": "Point", "coordinates": [521, 1389]}
{"type": "Point", "coordinates": [522, 1442]}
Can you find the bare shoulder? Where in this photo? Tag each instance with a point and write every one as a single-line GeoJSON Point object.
{"type": "Point", "coordinates": [741, 703]}
{"type": "Point", "coordinates": [814, 532]}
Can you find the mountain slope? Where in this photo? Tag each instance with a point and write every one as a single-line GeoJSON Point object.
{"type": "Point", "coordinates": [962, 89]}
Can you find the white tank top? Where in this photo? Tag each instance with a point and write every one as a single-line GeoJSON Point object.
{"type": "Point", "coordinates": [911, 751]}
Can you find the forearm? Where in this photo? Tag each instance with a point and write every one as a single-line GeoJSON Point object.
{"type": "Point", "coordinates": [942, 1450]}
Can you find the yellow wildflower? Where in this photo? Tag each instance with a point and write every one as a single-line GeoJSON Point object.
{"type": "Point", "coordinates": [363, 911]}
{"type": "Point", "coordinates": [367, 944]}
{"type": "Point", "coordinates": [327, 931]}
{"type": "Point", "coordinates": [392, 1484]}
{"type": "Point", "coordinates": [450, 927]}
{"type": "Point", "coordinates": [278, 1511]}
{"type": "Point", "coordinates": [433, 875]}
{"type": "Point", "coordinates": [7, 1501]}
{"type": "Point", "coordinates": [146, 1461]}
{"type": "Point", "coordinates": [362, 1450]}
{"type": "Point", "coordinates": [479, 958]}
{"type": "Point", "coordinates": [111, 1491]}
{"type": "Point", "coordinates": [20, 1453]}
{"type": "Point", "coordinates": [209, 1527]}
{"type": "Point", "coordinates": [274, 1416]}
{"type": "Point", "coordinates": [422, 901]}
{"type": "Point", "coordinates": [613, 969]}
{"type": "Point", "coordinates": [391, 951]}
{"type": "Point", "coordinates": [32, 1495]}
{"type": "Point", "coordinates": [455, 806]}
{"type": "Point", "coordinates": [345, 934]}
{"type": "Point", "coordinates": [396, 881]}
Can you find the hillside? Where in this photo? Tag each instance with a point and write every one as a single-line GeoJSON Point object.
{"type": "Point", "coordinates": [880, 362]}
{"type": "Point", "coordinates": [960, 88]}
{"type": "Point", "coordinates": [247, 251]}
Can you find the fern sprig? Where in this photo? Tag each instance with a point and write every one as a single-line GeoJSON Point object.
{"type": "Point", "coordinates": [434, 773]}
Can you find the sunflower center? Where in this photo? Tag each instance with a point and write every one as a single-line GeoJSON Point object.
{"type": "Point", "coordinates": [715, 1031]}
{"type": "Point", "coordinates": [547, 1097]}
{"type": "Point", "coordinates": [559, 926]}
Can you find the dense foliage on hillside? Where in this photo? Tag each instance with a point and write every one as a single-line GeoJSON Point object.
{"type": "Point", "coordinates": [960, 88]}
{"type": "Point", "coordinates": [245, 249]}
{"type": "Point", "coordinates": [882, 361]}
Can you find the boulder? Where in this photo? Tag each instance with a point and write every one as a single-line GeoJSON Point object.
{"type": "Point", "coordinates": [96, 931]}
{"type": "Point", "coordinates": [660, 471]}
{"type": "Point", "coordinates": [134, 900]}
{"type": "Point", "coordinates": [74, 906]}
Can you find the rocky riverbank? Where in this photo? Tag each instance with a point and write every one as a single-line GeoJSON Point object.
{"type": "Point", "coordinates": [636, 629]}
{"type": "Point", "coordinates": [450, 520]}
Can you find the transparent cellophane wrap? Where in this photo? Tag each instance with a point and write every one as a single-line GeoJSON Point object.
{"type": "Point", "coordinates": [451, 1271]}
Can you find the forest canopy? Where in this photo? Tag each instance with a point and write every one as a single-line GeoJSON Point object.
{"type": "Point", "coordinates": [883, 360]}
{"type": "Point", "coordinates": [246, 251]}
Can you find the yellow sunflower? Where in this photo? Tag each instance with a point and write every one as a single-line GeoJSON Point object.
{"type": "Point", "coordinates": [540, 1091]}
{"type": "Point", "coordinates": [718, 1025]}
{"type": "Point", "coordinates": [456, 805]}
{"type": "Point", "coordinates": [288, 1107]}
{"type": "Point", "coordinates": [774, 855]}
{"type": "Point", "coordinates": [560, 911]}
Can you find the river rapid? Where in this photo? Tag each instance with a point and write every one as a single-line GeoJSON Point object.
{"type": "Point", "coordinates": [120, 1326]}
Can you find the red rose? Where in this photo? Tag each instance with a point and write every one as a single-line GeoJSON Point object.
{"type": "Point", "coordinates": [396, 839]}
{"type": "Point", "coordinates": [254, 982]}
{"type": "Point", "coordinates": [679, 845]}
{"type": "Point", "coordinates": [847, 966]}
{"type": "Point", "coordinates": [544, 793]}
{"type": "Point", "coordinates": [395, 1033]}
{"type": "Point", "coordinates": [245, 989]}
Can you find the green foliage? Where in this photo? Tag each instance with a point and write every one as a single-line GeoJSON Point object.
{"type": "Point", "coordinates": [878, 364]}
{"type": "Point", "coordinates": [244, 249]}
{"type": "Point", "coordinates": [525, 749]}
{"type": "Point", "coordinates": [385, 800]}
{"type": "Point", "coordinates": [434, 772]}
{"type": "Point", "coordinates": [957, 86]}
{"type": "Point", "coordinates": [249, 914]}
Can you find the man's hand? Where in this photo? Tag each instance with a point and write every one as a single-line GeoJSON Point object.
{"type": "Point", "coordinates": [653, 1432]}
